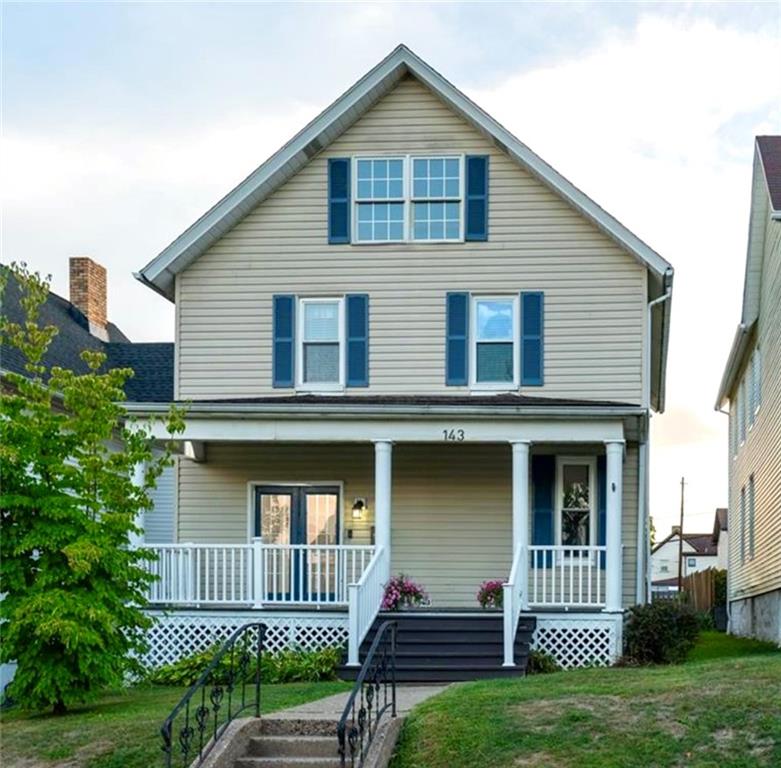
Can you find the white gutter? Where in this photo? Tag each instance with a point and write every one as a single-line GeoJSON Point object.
{"type": "Point", "coordinates": [643, 539]}
{"type": "Point", "coordinates": [734, 361]}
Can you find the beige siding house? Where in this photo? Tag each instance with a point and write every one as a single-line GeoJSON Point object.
{"type": "Point", "coordinates": [751, 390]}
{"type": "Point", "coordinates": [408, 345]}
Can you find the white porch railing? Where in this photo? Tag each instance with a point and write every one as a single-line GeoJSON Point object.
{"type": "Point", "coordinates": [365, 601]}
{"type": "Point", "coordinates": [566, 576]}
{"type": "Point", "coordinates": [511, 605]}
{"type": "Point", "coordinates": [255, 574]}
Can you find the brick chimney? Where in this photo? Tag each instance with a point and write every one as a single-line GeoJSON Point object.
{"type": "Point", "coordinates": [88, 292]}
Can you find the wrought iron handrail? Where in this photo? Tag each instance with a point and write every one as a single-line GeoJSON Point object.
{"type": "Point", "coordinates": [229, 678]}
{"type": "Point", "coordinates": [357, 726]}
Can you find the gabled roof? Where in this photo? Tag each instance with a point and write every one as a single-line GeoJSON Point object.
{"type": "Point", "coordinates": [159, 273]}
{"type": "Point", "coordinates": [765, 202]}
{"type": "Point", "coordinates": [152, 363]}
{"type": "Point", "coordinates": [719, 524]}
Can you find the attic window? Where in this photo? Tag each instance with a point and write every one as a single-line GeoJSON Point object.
{"type": "Point", "coordinates": [399, 199]}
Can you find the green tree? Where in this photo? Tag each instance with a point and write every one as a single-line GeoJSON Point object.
{"type": "Point", "coordinates": [74, 588]}
{"type": "Point", "coordinates": [652, 531]}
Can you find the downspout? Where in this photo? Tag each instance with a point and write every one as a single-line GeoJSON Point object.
{"type": "Point", "coordinates": [643, 577]}
{"type": "Point", "coordinates": [728, 605]}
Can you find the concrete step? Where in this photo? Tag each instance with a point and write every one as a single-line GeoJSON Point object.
{"type": "Point", "coordinates": [293, 746]}
{"type": "Point", "coordinates": [282, 726]}
{"type": "Point", "coordinates": [287, 762]}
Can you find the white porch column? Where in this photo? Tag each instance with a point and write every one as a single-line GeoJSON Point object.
{"type": "Point", "coordinates": [139, 478]}
{"type": "Point", "coordinates": [613, 514]}
{"type": "Point", "coordinates": [521, 513]}
{"type": "Point", "coordinates": [382, 498]}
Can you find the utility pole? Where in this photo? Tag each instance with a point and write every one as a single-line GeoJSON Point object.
{"type": "Point", "coordinates": [680, 544]}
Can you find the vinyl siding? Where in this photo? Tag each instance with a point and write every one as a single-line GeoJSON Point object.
{"type": "Point", "coordinates": [761, 452]}
{"type": "Point", "coordinates": [594, 291]}
{"type": "Point", "coordinates": [451, 519]}
{"type": "Point", "coordinates": [159, 522]}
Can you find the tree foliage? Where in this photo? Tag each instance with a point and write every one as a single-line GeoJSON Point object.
{"type": "Point", "coordinates": [74, 586]}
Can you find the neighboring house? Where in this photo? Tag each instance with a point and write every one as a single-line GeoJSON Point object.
{"type": "Point", "coordinates": [721, 538]}
{"type": "Point", "coordinates": [410, 345]}
{"type": "Point", "coordinates": [82, 324]}
{"type": "Point", "coordinates": [751, 389]}
{"type": "Point", "coordinates": [698, 553]}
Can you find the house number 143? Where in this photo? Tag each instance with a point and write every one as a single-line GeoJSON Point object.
{"type": "Point", "coordinates": [453, 435]}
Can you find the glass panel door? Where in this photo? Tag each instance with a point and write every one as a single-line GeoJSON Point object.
{"type": "Point", "coordinates": [289, 518]}
{"type": "Point", "coordinates": [274, 521]}
{"type": "Point", "coordinates": [575, 505]}
{"type": "Point", "coordinates": [322, 529]}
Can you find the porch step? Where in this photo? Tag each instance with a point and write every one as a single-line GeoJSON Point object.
{"type": "Point", "coordinates": [291, 751]}
{"type": "Point", "coordinates": [450, 646]}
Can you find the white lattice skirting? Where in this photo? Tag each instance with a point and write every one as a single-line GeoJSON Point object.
{"type": "Point", "coordinates": [175, 635]}
{"type": "Point", "coordinates": [579, 641]}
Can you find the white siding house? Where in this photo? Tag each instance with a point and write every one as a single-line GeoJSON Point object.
{"type": "Point", "coordinates": [410, 346]}
{"type": "Point", "coordinates": [751, 391]}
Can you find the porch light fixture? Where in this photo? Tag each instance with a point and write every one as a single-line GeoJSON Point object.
{"type": "Point", "coordinates": [359, 507]}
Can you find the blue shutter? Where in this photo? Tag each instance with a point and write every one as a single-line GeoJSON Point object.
{"type": "Point", "coordinates": [457, 342]}
{"type": "Point", "coordinates": [532, 353]}
{"type": "Point", "coordinates": [283, 354]}
{"type": "Point", "coordinates": [476, 197]}
{"type": "Point", "coordinates": [339, 200]}
{"type": "Point", "coordinates": [601, 506]}
{"type": "Point", "coordinates": [357, 340]}
{"type": "Point", "coordinates": [543, 503]}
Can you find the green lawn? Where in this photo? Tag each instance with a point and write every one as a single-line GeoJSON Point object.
{"type": "Point", "coordinates": [120, 731]}
{"type": "Point", "coordinates": [721, 709]}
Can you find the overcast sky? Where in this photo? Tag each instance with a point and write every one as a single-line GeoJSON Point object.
{"type": "Point", "coordinates": [123, 122]}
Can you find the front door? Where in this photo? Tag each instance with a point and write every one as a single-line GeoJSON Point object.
{"type": "Point", "coordinates": [292, 517]}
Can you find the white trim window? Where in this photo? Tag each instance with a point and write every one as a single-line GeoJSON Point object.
{"type": "Point", "coordinates": [321, 345]}
{"type": "Point", "coordinates": [408, 198]}
{"type": "Point", "coordinates": [494, 362]}
{"type": "Point", "coordinates": [576, 501]}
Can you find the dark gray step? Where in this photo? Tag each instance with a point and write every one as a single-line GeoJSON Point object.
{"type": "Point", "coordinates": [456, 674]}
{"type": "Point", "coordinates": [442, 635]}
{"type": "Point", "coordinates": [293, 746]}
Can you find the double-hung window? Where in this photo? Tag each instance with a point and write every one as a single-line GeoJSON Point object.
{"type": "Point", "coordinates": [495, 339]}
{"type": "Point", "coordinates": [436, 198]}
{"type": "Point", "coordinates": [409, 198]}
{"type": "Point", "coordinates": [321, 345]}
{"type": "Point", "coordinates": [380, 199]}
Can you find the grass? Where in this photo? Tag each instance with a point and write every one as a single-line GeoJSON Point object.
{"type": "Point", "coordinates": [720, 709]}
{"type": "Point", "coordinates": [121, 730]}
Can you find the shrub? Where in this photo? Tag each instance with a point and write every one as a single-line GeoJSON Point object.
{"type": "Point", "coordinates": [541, 663]}
{"type": "Point", "coordinates": [401, 591]}
{"type": "Point", "coordinates": [490, 594]}
{"type": "Point", "coordinates": [720, 577]}
{"type": "Point", "coordinates": [662, 632]}
{"type": "Point", "coordinates": [288, 666]}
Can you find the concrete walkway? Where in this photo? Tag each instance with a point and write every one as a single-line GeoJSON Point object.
{"type": "Point", "coordinates": [331, 707]}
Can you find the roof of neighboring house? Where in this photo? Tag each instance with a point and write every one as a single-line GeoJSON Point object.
{"type": "Point", "coordinates": [152, 363]}
{"type": "Point", "coordinates": [672, 581]}
{"type": "Point", "coordinates": [701, 543]}
{"type": "Point", "coordinates": [770, 154]}
{"type": "Point", "coordinates": [719, 523]}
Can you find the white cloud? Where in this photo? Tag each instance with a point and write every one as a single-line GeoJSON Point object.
{"type": "Point", "coordinates": [646, 125]}
{"type": "Point", "coordinates": [655, 123]}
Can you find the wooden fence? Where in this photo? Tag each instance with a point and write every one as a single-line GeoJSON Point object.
{"type": "Point", "coordinates": [700, 587]}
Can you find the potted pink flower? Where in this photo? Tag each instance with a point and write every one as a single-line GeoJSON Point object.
{"type": "Point", "coordinates": [490, 594]}
{"type": "Point", "coordinates": [402, 593]}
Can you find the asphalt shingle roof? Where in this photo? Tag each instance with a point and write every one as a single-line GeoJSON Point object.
{"type": "Point", "coordinates": [770, 152]}
{"type": "Point", "coordinates": [152, 363]}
